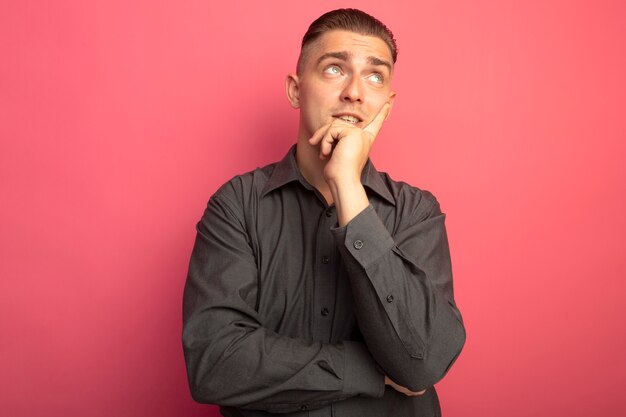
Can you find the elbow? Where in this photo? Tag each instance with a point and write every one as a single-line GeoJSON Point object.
{"type": "Point", "coordinates": [202, 393]}
{"type": "Point", "coordinates": [199, 373]}
{"type": "Point", "coordinates": [437, 364]}
{"type": "Point", "coordinates": [425, 370]}
{"type": "Point", "coordinates": [198, 395]}
{"type": "Point", "coordinates": [203, 386]}
{"type": "Point", "coordinates": [211, 366]}
{"type": "Point", "coordinates": [199, 384]}
{"type": "Point", "coordinates": [208, 378]}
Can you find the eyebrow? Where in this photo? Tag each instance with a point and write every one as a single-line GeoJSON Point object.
{"type": "Point", "coordinates": [345, 56]}
{"type": "Point", "coordinates": [377, 61]}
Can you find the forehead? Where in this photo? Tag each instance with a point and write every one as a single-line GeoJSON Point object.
{"type": "Point", "coordinates": [356, 45]}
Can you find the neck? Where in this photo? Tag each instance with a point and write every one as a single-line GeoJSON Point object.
{"type": "Point", "coordinates": [312, 169]}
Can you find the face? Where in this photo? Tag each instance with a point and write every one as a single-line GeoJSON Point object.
{"type": "Point", "coordinates": [345, 75]}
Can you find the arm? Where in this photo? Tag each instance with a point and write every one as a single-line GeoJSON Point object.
{"type": "Point", "coordinates": [402, 288]}
{"type": "Point", "coordinates": [402, 284]}
{"type": "Point", "coordinates": [232, 359]}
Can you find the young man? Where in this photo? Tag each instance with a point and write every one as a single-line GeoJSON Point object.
{"type": "Point", "coordinates": [317, 285]}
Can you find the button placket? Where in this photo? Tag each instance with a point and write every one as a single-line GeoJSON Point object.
{"type": "Point", "coordinates": [325, 277]}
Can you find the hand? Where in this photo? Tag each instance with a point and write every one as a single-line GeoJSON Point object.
{"type": "Point", "coordinates": [347, 146]}
{"type": "Point", "coordinates": [401, 389]}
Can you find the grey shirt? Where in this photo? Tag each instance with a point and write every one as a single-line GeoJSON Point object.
{"type": "Point", "coordinates": [285, 312]}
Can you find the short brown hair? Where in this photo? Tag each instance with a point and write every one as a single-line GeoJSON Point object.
{"type": "Point", "coordinates": [352, 20]}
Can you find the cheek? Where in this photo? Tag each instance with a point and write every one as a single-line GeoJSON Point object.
{"type": "Point", "coordinates": [380, 98]}
{"type": "Point", "coordinates": [315, 103]}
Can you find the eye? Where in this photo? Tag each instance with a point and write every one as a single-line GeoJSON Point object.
{"type": "Point", "coordinates": [332, 70]}
{"type": "Point", "coordinates": [377, 78]}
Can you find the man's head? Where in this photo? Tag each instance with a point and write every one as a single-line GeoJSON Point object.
{"type": "Point", "coordinates": [344, 71]}
{"type": "Point", "coordinates": [350, 20]}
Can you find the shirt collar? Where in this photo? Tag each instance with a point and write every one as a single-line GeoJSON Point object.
{"type": "Point", "coordinates": [286, 171]}
{"type": "Point", "coordinates": [372, 179]}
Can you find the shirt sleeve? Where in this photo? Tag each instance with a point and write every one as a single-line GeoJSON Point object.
{"type": "Point", "coordinates": [231, 358]}
{"type": "Point", "coordinates": [402, 287]}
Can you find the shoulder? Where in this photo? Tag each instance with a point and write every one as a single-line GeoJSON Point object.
{"type": "Point", "coordinates": [235, 201]}
{"type": "Point", "coordinates": [417, 203]}
{"type": "Point", "coordinates": [243, 188]}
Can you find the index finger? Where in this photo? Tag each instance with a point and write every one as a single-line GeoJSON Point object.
{"type": "Point", "coordinates": [377, 123]}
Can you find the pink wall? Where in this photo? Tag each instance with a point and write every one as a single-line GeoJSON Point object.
{"type": "Point", "coordinates": [118, 119]}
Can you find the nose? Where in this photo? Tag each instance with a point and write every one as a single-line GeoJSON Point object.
{"type": "Point", "coordinates": [353, 90]}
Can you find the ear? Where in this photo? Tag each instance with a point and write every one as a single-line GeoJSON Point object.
{"type": "Point", "coordinates": [392, 97]}
{"type": "Point", "coordinates": [292, 88]}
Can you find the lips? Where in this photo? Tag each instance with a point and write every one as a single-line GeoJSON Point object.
{"type": "Point", "coordinates": [349, 117]}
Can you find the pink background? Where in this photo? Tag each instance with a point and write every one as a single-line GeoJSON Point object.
{"type": "Point", "coordinates": [118, 120]}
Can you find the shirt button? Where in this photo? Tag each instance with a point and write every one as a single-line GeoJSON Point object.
{"type": "Point", "coordinates": [325, 312]}
{"type": "Point", "coordinates": [325, 259]}
{"type": "Point", "coordinates": [390, 298]}
{"type": "Point", "coordinates": [329, 213]}
{"type": "Point", "coordinates": [358, 244]}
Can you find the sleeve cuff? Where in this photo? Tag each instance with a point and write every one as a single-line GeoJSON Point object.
{"type": "Point", "coordinates": [365, 237]}
{"type": "Point", "coordinates": [362, 376]}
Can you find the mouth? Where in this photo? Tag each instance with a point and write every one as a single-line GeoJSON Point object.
{"type": "Point", "coordinates": [350, 118]}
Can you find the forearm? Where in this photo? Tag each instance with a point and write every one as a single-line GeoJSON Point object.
{"type": "Point", "coordinates": [257, 369]}
{"type": "Point", "coordinates": [405, 311]}
{"type": "Point", "coordinates": [415, 342]}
